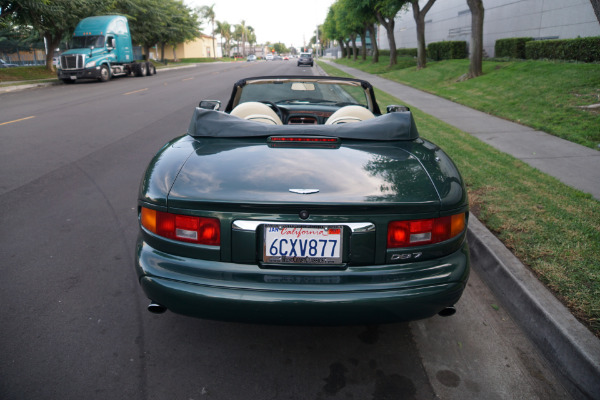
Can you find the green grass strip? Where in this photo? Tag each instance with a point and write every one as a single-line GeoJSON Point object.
{"type": "Point", "coordinates": [550, 227]}
{"type": "Point", "coordinates": [549, 96]}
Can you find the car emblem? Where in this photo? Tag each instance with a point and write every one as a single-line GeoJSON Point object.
{"type": "Point", "coordinates": [304, 191]}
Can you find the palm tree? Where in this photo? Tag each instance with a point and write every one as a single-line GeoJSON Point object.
{"type": "Point", "coordinates": [209, 14]}
{"type": "Point", "coordinates": [224, 30]}
{"type": "Point", "coordinates": [251, 38]}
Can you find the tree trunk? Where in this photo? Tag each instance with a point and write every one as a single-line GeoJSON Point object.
{"type": "Point", "coordinates": [354, 48]}
{"type": "Point", "coordinates": [363, 47]}
{"type": "Point", "coordinates": [477, 13]}
{"type": "Point", "coordinates": [213, 39]}
{"type": "Point", "coordinates": [419, 16]}
{"type": "Point", "coordinates": [389, 29]}
{"type": "Point", "coordinates": [53, 43]}
{"type": "Point", "coordinates": [342, 47]}
{"type": "Point", "coordinates": [374, 44]}
{"type": "Point", "coordinates": [596, 7]}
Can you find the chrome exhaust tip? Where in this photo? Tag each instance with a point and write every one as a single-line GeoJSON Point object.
{"type": "Point", "coordinates": [156, 308]}
{"type": "Point", "coordinates": [447, 312]}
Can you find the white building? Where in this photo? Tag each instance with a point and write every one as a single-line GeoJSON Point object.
{"type": "Point", "coordinates": [540, 19]}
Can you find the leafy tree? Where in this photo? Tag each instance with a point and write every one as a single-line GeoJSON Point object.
{"type": "Point", "coordinates": [330, 27]}
{"type": "Point", "coordinates": [224, 30]}
{"type": "Point", "coordinates": [350, 26]}
{"type": "Point", "coordinates": [182, 26]}
{"type": "Point", "coordinates": [477, 13]}
{"type": "Point", "coordinates": [240, 34]}
{"type": "Point", "coordinates": [419, 15]}
{"type": "Point", "coordinates": [364, 12]}
{"type": "Point", "coordinates": [385, 11]}
{"type": "Point", "coordinates": [52, 19]}
{"type": "Point", "coordinates": [280, 48]}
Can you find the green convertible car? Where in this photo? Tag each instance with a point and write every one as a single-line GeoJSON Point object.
{"type": "Point", "coordinates": [300, 203]}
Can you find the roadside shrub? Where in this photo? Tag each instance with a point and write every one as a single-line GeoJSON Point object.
{"type": "Point", "coordinates": [447, 50]}
{"type": "Point", "coordinates": [400, 52]}
{"type": "Point", "coordinates": [511, 47]}
{"type": "Point", "coordinates": [411, 52]}
{"type": "Point", "coordinates": [581, 49]}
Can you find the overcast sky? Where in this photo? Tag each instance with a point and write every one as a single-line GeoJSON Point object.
{"type": "Point", "coordinates": [291, 22]}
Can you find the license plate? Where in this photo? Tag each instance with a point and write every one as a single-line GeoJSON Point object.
{"type": "Point", "coordinates": [303, 244]}
{"type": "Point", "coordinates": [73, 77]}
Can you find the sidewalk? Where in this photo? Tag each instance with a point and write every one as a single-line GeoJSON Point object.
{"type": "Point", "coordinates": [568, 345]}
{"type": "Point", "coordinates": [572, 164]}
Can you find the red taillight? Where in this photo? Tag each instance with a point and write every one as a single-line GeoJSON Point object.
{"type": "Point", "coordinates": [424, 231]}
{"type": "Point", "coordinates": [185, 228]}
{"type": "Point", "coordinates": [314, 139]}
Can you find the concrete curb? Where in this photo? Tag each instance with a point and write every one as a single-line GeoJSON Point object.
{"type": "Point", "coordinates": [569, 346]}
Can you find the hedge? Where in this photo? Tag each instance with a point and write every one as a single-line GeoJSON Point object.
{"type": "Point", "coordinates": [511, 48]}
{"type": "Point", "coordinates": [581, 49]}
{"type": "Point", "coordinates": [400, 52]}
{"type": "Point", "coordinates": [447, 50]}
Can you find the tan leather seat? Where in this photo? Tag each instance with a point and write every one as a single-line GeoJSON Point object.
{"type": "Point", "coordinates": [255, 111]}
{"type": "Point", "coordinates": [349, 114]}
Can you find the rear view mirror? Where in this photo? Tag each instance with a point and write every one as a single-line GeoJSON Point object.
{"type": "Point", "coordinates": [210, 104]}
{"type": "Point", "coordinates": [396, 108]}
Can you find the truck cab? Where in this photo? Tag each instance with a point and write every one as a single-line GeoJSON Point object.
{"type": "Point", "coordinates": [101, 48]}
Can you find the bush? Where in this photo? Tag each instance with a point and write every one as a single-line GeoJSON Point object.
{"type": "Point", "coordinates": [447, 50]}
{"type": "Point", "coordinates": [400, 52]}
{"type": "Point", "coordinates": [407, 52]}
{"type": "Point", "coordinates": [580, 49]}
{"type": "Point", "coordinates": [511, 48]}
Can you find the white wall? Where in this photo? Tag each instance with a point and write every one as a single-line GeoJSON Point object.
{"type": "Point", "coordinates": [451, 20]}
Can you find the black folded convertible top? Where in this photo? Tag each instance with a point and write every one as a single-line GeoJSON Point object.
{"type": "Point", "coordinates": [388, 127]}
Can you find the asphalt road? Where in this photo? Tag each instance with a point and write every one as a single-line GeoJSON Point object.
{"type": "Point", "coordinates": [73, 320]}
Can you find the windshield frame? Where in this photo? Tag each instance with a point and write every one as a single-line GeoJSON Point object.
{"type": "Point", "coordinates": [356, 85]}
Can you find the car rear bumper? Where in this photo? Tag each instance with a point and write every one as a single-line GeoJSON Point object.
{"type": "Point", "coordinates": [246, 293]}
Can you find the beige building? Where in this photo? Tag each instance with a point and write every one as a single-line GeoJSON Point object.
{"type": "Point", "coordinates": [201, 47]}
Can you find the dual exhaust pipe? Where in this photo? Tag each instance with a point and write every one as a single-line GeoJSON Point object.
{"type": "Point", "coordinates": [447, 312]}
{"type": "Point", "coordinates": [156, 308]}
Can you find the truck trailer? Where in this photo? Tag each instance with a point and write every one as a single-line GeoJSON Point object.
{"type": "Point", "coordinates": [101, 49]}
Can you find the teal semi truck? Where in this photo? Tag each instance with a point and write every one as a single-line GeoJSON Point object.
{"type": "Point", "coordinates": [101, 49]}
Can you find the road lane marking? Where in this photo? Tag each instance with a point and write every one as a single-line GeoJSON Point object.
{"type": "Point", "coordinates": [187, 79]}
{"type": "Point", "coordinates": [16, 120]}
{"type": "Point", "coordinates": [135, 91]}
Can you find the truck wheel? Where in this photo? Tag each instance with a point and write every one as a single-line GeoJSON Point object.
{"type": "Point", "coordinates": [104, 73]}
{"type": "Point", "coordinates": [143, 69]}
{"type": "Point", "coordinates": [151, 69]}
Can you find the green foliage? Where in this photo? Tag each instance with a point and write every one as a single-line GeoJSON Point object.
{"type": "Point", "coordinates": [404, 52]}
{"type": "Point", "coordinates": [410, 52]}
{"type": "Point", "coordinates": [447, 50]}
{"type": "Point", "coordinates": [580, 49]}
{"type": "Point", "coordinates": [511, 47]}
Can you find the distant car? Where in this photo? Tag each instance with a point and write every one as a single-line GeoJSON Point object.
{"type": "Point", "coordinates": [251, 57]}
{"type": "Point", "coordinates": [285, 58]}
{"type": "Point", "coordinates": [278, 58]}
{"type": "Point", "coordinates": [305, 59]}
{"type": "Point", "coordinates": [4, 64]}
{"type": "Point", "coordinates": [301, 203]}
{"type": "Point", "coordinates": [269, 57]}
